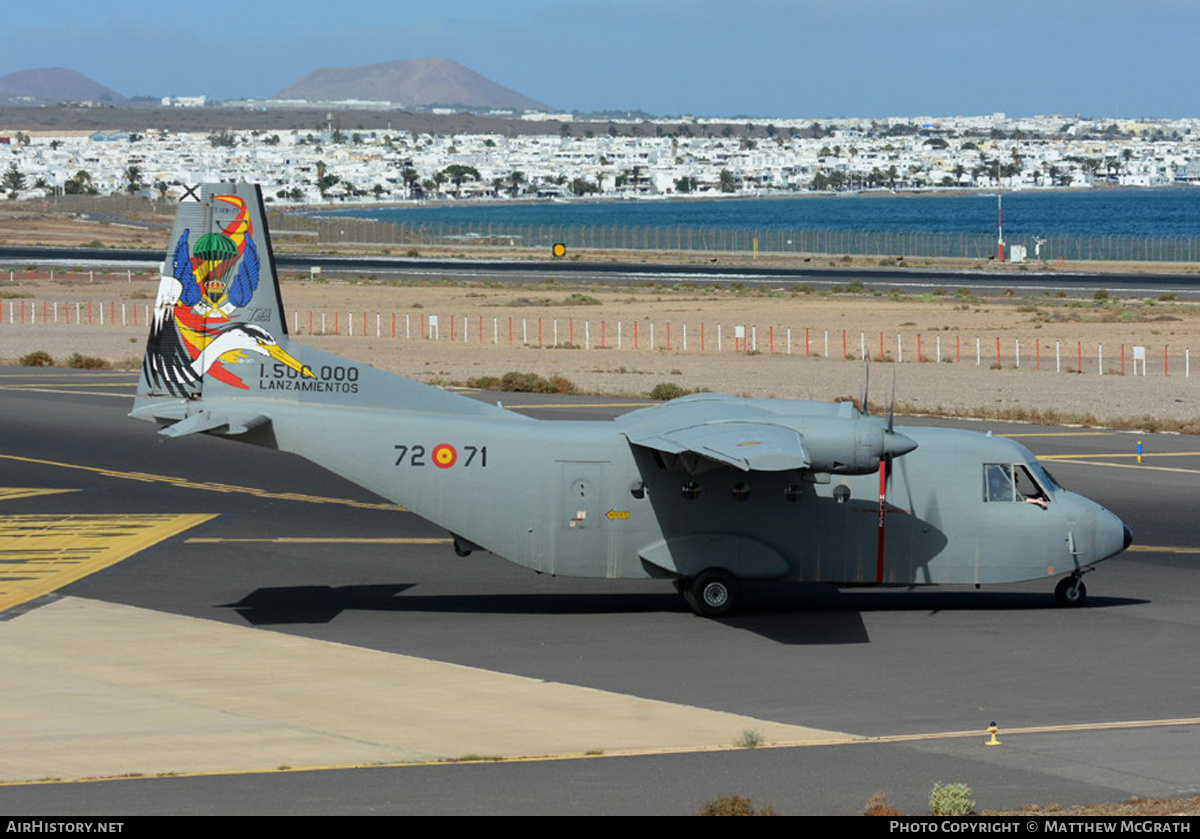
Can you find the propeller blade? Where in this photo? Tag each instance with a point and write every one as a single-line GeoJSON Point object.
{"type": "Point", "coordinates": [883, 470]}
{"type": "Point", "coordinates": [892, 407]}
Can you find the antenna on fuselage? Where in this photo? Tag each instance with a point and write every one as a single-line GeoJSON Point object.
{"type": "Point", "coordinates": [865, 404]}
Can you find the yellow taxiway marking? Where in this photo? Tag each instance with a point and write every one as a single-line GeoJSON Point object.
{"type": "Point", "coordinates": [9, 493]}
{"type": "Point", "coordinates": [53, 383]}
{"type": "Point", "coordinates": [1060, 434]}
{"type": "Point", "coordinates": [1163, 549]}
{"type": "Point", "coordinates": [1119, 725]}
{"type": "Point", "coordinates": [325, 540]}
{"type": "Point", "coordinates": [41, 389]}
{"type": "Point", "coordinates": [581, 405]}
{"type": "Point", "coordinates": [1142, 466]}
{"type": "Point", "coordinates": [66, 375]}
{"type": "Point", "coordinates": [846, 740]}
{"type": "Point", "coordinates": [1121, 454]}
{"type": "Point", "coordinates": [40, 554]}
{"type": "Point", "coordinates": [443, 540]}
{"type": "Point", "coordinates": [203, 485]}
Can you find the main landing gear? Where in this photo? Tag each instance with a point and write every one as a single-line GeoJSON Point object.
{"type": "Point", "coordinates": [713, 593]}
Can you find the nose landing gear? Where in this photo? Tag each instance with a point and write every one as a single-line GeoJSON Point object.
{"type": "Point", "coordinates": [1071, 591]}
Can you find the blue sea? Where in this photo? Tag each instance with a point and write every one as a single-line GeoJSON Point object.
{"type": "Point", "coordinates": [1140, 212]}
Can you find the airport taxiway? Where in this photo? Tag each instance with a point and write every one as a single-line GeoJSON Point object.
{"type": "Point", "coordinates": [331, 650]}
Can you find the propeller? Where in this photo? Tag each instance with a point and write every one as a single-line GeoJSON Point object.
{"type": "Point", "coordinates": [894, 445]}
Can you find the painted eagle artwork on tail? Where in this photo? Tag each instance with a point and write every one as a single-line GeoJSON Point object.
{"type": "Point", "coordinates": [194, 332]}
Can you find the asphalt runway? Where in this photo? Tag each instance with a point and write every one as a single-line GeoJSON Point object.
{"type": "Point", "coordinates": [912, 279]}
{"type": "Point", "coordinates": [1093, 704]}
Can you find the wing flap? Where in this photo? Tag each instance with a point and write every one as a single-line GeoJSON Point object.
{"type": "Point", "coordinates": [749, 446]}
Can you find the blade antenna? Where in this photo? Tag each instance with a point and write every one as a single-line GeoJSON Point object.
{"type": "Point", "coordinates": [866, 408]}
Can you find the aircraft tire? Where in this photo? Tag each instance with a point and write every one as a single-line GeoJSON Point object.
{"type": "Point", "coordinates": [714, 593]}
{"type": "Point", "coordinates": [1070, 592]}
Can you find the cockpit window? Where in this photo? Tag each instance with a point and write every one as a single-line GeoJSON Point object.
{"type": "Point", "coordinates": [1014, 482]}
{"type": "Point", "coordinates": [1044, 477]}
{"type": "Point", "coordinates": [997, 482]}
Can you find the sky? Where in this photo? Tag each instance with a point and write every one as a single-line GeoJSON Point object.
{"type": "Point", "coordinates": [762, 58]}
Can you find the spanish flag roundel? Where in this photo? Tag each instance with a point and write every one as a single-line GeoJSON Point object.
{"type": "Point", "coordinates": [444, 456]}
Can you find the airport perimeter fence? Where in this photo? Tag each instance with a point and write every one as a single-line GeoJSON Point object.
{"type": "Point", "coordinates": [590, 334]}
{"type": "Point", "coordinates": [329, 231]}
{"type": "Point", "coordinates": [746, 241]}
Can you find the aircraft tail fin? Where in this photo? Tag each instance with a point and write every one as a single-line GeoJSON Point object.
{"type": "Point", "coordinates": [218, 297]}
{"type": "Point", "coordinates": [219, 355]}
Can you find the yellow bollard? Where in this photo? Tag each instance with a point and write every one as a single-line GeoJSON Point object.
{"type": "Point", "coordinates": [992, 729]}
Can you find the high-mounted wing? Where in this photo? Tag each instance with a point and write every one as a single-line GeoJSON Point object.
{"type": "Point", "coordinates": [749, 446]}
{"type": "Point", "coordinates": [765, 435]}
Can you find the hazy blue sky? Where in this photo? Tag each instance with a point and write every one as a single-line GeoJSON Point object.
{"type": "Point", "coordinates": [788, 58]}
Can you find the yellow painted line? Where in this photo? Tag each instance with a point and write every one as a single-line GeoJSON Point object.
{"type": "Point", "coordinates": [51, 383]}
{"type": "Point", "coordinates": [1061, 434]}
{"type": "Point", "coordinates": [1122, 454]}
{"type": "Point", "coordinates": [208, 487]}
{"type": "Point", "coordinates": [10, 493]}
{"type": "Point", "coordinates": [851, 740]}
{"type": "Point", "coordinates": [1141, 466]}
{"type": "Point", "coordinates": [40, 389]}
{"type": "Point", "coordinates": [41, 554]}
{"type": "Point", "coordinates": [1164, 549]}
{"type": "Point", "coordinates": [323, 540]}
{"type": "Point", "coordinates": [582, 405]}
{"type": "Point", "coordinates": [87, 373]}
{"type": "Point", "coordinates": [1121, 725]}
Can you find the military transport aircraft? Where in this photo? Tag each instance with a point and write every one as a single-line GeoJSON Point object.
{"type": "Point", "coordinates": [705, 491]}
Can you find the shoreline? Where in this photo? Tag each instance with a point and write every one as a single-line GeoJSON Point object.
{"type": "Point", "coordinates": [936, 192]}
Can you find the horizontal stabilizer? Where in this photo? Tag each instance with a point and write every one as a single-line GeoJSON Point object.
{"type": "Point", "coordinates": [749, 446]}
{"type": "Point", "coordinates": [223, 423]}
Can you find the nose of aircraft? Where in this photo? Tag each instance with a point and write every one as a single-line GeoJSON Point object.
{"type": "Point", "coordinates": [1112, 535]}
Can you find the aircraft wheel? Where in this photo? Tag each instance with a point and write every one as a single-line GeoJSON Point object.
{"type": "Point", "coordinates": [714, 593]}
{"type": "Point", "coordinates": [1070, 591]}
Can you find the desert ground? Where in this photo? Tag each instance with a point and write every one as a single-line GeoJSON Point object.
{"type": "Point", "coordinates": [827, 333]}
{"type": "Point", "coordinates": [800, 343]}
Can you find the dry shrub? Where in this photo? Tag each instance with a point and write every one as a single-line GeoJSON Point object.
{"type": "Point", "coordinates": [86, 362]}
{"type": "Point", "coordinates": [877, 806]}
{"type": "Point", "coordinates": [734, 805]}
{"type": "Point", "coordinates": [37, 358]}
